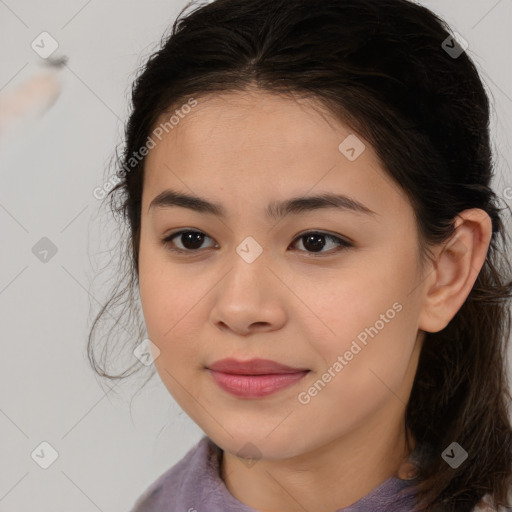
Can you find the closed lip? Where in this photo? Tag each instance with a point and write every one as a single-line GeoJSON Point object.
{"type": "Point", "coordinates": [252, 367]}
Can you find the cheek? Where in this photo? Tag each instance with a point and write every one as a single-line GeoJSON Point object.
{"type": "Point", "coordinates": [169, 316]}
{"type": "Point", "coordinates": [162, 294]}
{"type": "Point", "coordinates": [368, 314]}
{"type": "Point", "coordinates": [375, 352]}
{"type": "Point", "coordinates": [173, 301]}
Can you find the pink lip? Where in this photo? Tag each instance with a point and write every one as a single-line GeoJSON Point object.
{"type": "Point", "coordinates": [252, 367]}
{"type": "Point", "coordinates": [255, 378]}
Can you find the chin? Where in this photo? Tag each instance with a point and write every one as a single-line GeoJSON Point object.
{"type": "Point", "coordinates": [256, 443]}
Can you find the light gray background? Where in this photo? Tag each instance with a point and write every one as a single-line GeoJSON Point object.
{"type": "Point", "coordinates": [109, 449]}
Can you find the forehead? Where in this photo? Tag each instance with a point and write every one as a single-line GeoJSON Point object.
{"type": "Point", "coordinates": [252, 117]}
{"type": "Point", "coordinates": [264, 144]}
{"type": "Point", "coordinates": [273, 126]}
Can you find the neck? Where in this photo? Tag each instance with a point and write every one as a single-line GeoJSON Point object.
{"type": "Point", "coordinates": [331, 476]}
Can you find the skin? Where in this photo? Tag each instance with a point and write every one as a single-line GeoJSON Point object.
{"type": "Point", "coordinates": [244, 150]}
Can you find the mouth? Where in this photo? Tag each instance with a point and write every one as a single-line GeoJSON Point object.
{"type": "Point", "coordinates": [256, 378]}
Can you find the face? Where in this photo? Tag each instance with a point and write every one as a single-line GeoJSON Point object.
{"type": "Point", "coordinates": [332, 290]}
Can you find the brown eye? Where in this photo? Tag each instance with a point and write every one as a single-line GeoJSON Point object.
{"type": "Point", "coordinates": [191, 241]}
{"type": "Point", "coordinates": [315, 241]}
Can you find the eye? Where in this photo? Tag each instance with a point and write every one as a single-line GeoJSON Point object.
{"type": "Point", "coordinates": [190, 240]}
{"type": "Point", "coordinates": [315, 241]}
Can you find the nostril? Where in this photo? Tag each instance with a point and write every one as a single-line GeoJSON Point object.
{"type": "Point", "coordinates": [259, 324]}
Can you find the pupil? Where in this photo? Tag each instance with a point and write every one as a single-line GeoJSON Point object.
{"type": "Point", "coordinates": [189, 237]}
{"type": "Point", "coordinates": [316, 245]}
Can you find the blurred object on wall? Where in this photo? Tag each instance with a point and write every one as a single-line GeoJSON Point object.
{"type": "Point", "coordinates": [24, 104]}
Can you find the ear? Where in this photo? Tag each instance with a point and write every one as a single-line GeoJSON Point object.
{"type": "Point", "coordinates": [456, 266]}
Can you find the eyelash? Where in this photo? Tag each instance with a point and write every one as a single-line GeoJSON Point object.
{"type": "Point", "coordinates": [344, 244]}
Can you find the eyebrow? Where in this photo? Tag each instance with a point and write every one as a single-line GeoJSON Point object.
{"type": "Point", "coordinates": [275, 210]}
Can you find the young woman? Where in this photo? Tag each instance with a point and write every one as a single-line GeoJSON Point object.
{"type": "Point", "coordinates": [320, 259]}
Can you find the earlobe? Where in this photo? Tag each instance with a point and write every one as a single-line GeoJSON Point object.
{"type": "Point", "coordinates": [456, 268]}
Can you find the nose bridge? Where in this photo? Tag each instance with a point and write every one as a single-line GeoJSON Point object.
{"type": "Point", "coordinates": [245, 291]}
{"type": "Point", "coordinates": [249, 263]}
{"type": "Point", "coordinates": [250, 250]}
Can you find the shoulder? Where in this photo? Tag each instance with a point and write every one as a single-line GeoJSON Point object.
{"type": "Point", "coordinates": [177, 483]}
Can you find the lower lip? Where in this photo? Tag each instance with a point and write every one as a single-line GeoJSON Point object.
{"type": "Point", "coordinates": [255, 386]}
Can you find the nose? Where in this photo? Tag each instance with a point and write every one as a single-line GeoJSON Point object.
{"type": "Point", "coordinates": [250, 298]}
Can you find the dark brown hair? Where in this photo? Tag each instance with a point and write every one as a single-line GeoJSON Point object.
{"type": "Point", "coordinates": [383, 68]}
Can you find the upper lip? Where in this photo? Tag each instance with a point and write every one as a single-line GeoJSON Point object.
{"type": "Point", "coordinates": [252, 367]}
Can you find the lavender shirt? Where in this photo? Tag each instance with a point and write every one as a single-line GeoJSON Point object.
{"type": "Point", "coordinates": [194, 485]}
